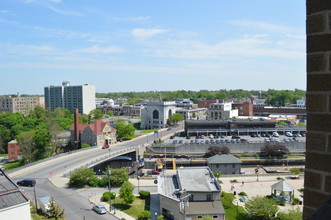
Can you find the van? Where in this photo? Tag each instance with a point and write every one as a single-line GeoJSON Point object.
{"type": "Point", "coordinates": [45, 203]}
{"type": "Point", "coordinates": [26, 182]}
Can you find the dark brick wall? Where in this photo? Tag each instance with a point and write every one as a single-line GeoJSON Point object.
{"type": "Point", "coordinates": [318, 157]}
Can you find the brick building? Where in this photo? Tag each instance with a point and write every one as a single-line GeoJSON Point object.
{"type": "Point", "coordinates": [244, 109]}
{"type": "Point", "coordinates": [13, 151]}
{"type": "Point", "coordinates": [205, 103]}
{"type": "Point", "coordinates": [317, 193]}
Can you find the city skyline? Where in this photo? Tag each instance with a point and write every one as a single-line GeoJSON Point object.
{"type": "Point", "coordinates": [152, 46]}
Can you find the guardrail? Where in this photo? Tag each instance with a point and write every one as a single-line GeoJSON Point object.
{"type": "Point", "coordinates": [49, 158]}
{"type": "Point", "coordinates": [101, 159]}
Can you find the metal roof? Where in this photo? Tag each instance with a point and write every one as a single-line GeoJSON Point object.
{"type": "Point", "coordinates": [223, 158]}
{"type": "Point", "coordinates": [10, 194]}
{"type": "Point", "coordinates": [197, 179]}
{"type": "Point", "coordinates": [282, 186]}
{"type": "Point", "coordinates": [207, 208]}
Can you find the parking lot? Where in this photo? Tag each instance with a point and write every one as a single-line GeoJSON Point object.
{"type": "Point", "coordinates": [254, 138]}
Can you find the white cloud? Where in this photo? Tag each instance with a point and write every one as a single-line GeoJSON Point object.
{"type": "Point", "coordinates": [143, 34]}
{"type": "Point", "coordinates": [65, 12]}
{"type": "Point", "coordinates": [100, 50]}
{"type": "Point", "coordinates": [263, 26]}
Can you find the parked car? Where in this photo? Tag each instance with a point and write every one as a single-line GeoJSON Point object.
{"type": "Point", "coordinates": [26, 182]}
{"type": "Point", "coordinates": [243, 141]}
{"type": "Point", "coordinates": [197, 141]}
{"type": "Point", "coordinates": [175, 142]}
{"type": "Point", "coordinates": [275, 134]}
{"type": "Point", "coordinates": [237, 140]}
{"type": "Point", "coordinates": [180, 142]}
{"type": "Point", "coordinates": [289, 134]}
{"type": "Point", "coordinates": [266, 140]}
{"type": "Point", "coordinates": [212, 141]}
{"type": "Point", "coordinates": [191, 141]}
{"type": "Point", "coordinates": [207, 142]}
{"type": "Point", "coordinates": [202, 142]}
{"type": "Point", "coordinates": [227, 141]}
{"type": "Point", "coordinates": [155, 172]}
{"type": "Point", "coordinates": [169, 129]}
{"type": "Point", "coordinates": [105, 147]}
{"type": "Point", "coordinates": [253, 135]}
{"type": "Point", "coordinates": [222, 141]}
{"type": "Point", "coordinates": [218, 141]}
{"type": "Point", "coordinates": [222, 136]}
{"type": "Point", "coordinates": [100, 209]}
{"type": "Point", "coordinates": [233, 141]}
{"type": "Point", "coordinates": [188, 137]}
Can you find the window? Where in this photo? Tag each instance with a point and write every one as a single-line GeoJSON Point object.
{"type": "Point", "coordinates": [199, 216]}
{"type": "Point", "coordinates": [208, 197]}
{"type": "Point", "coordinates": [215, 216]}
{"type": "Point", "coordinates": [233, 165]}
{"type": "Point", "coordinates": [155, 114]}
{"type": "Point", "coordinates": [217, 166]}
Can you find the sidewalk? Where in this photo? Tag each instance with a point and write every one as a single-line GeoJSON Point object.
{"type": "Point", "coordinates": [117, 213]}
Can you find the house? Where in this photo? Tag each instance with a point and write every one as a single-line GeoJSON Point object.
{"type": "Point", "coordinates": [190, 193]}
{"type": "Point", "coordinates": [14, 203]}
{"type": "Point", "coordinates": [226, 163]}
{"type": "Point", "coordinates": [99, 133]}
{"type": "Point", "coordinates": [13, 151]}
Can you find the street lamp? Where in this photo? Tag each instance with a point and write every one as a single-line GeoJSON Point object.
{"type": "Point", "coordinates": [109, 172]}
{"type": "Point", "coordinates": [138, 178]}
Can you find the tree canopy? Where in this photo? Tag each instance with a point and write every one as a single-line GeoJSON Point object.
{"type": "Point", "coordinates": [124, 131]}
{"type": "Point", "coordinates": [262, 208]}
{"type": "Point", "coordinates": [126, 192]}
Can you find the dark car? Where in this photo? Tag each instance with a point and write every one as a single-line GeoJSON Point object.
{"type": "Point", "coordinates": [26, 182]}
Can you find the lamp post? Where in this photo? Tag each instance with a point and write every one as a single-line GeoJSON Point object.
{"type": "Point", "coordinates": [109, 172]}
{"type": "Point", "coordinates": [183, 202]}
{"type": "Point", "coordinates": [138, 178]}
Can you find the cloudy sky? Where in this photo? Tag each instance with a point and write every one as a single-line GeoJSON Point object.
{"type": "Point", "coordinates": [131, 45]}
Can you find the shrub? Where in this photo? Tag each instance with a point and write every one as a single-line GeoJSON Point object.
{"type": "Point", "coordinates": [274, 150]}
{"type": "Point", "coordinates": [93, 181]}
{"type": "Point", "coordinates": [242, 194]}
{"type": "Point", "coordinates": [144, 194]}
{"type": "Point", "coordinates": [85, 145]}
{"type": "Point", "coordinates": [234, 181]}
{"type": "Point", "coordinates": [280, 178]}
{"type": "Point", "coordinates": [106, 196]}
{"type": "Point", "coordinates": [144, 215]}
{"type": "Point", "coordinates": [80, 177]}
{"type": "Point", "coordinates": [103, 182]}
{"type": "Point", "coordinates": [295, 201]}
{"type": "Point", "coordinates": [281, 203]}
{"type": "Point", "coordinates": [220, 181]}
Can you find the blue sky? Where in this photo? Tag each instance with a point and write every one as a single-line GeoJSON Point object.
{"type": "Point", "coordinates": [146, 45]}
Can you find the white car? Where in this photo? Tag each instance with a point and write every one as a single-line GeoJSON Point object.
{"type": "Point", "coordinates": [100, 209]}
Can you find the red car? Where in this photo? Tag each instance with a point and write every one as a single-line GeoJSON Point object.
{"type": "Point", "coordinates": [105, 147]}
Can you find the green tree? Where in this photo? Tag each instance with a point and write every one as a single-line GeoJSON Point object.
{"type": "Point", "coordinates": [126, 192]}
{"type": "Point", "coordinates": [175, 118]}
{"type": "Point", "coordinates": [261, 208]}
{"type": "Point", "coordinates": [80, 177]}
{"type": "Point", "coordinates": [217, 174]}
{"type": "Point", "coordinates": [84, 119]}
{"type": "Point", "coordinates": [117, 177]}
{"type": "Point", "coordinates": [290, 214]}
{"type": "Point", "coordinates": [27, 146]}
{"type": "Point", "coordinates": [56, 212]}
{"type": "Point", "coordinates": [110, 113]}
{"type": "Point", "coordinates": [124, 131]}
{"type": "Point", "coordinates": [144, 215]}
{"type": "Point", "coordinates": [194, 115]}
{"type": "Point", "coordinates": [95, 114]}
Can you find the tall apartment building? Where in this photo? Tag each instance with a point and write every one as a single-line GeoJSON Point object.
{"type": "Point", "coordinates": [70, 97]}
{"type": "Point", "coordinates": [20, 104]}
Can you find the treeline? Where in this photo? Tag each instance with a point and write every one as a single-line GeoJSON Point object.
{"type": "Point", "coordinates": [36, 133]}
{"type": "Point", "coordinates": [273, 97]}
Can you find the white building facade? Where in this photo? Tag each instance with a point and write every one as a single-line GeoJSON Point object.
{"type": "Point", "coordinates": [156, 114]}
{"type": "Point", "coordinates": [221, 111]}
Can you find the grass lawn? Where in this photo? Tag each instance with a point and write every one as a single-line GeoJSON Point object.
{"type": "Point", "coordinates": [133, 209]}
{"type": "Point", "coordinates": [11, 165]}
{"type": "Point", "coordinates": [232, 212]}
{"type": "Point", "coordinates": [149, 131]}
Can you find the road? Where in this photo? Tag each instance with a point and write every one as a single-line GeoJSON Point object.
{"type": "Point", "coordinates": [74, 201]}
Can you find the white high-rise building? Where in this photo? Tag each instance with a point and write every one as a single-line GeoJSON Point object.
{"type": "Point", "coordinates": [70, 97]}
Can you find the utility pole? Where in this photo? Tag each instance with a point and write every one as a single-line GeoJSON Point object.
{"type": "Point", "coordinates": [35, 198]}
{"type": "Point", "coordinates": [183, 202]}
{"type": "Point", "coordinates": [109, 172]}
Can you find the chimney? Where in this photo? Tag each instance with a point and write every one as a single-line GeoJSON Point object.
{"type": "Point", "coordinates": [76, 127]}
